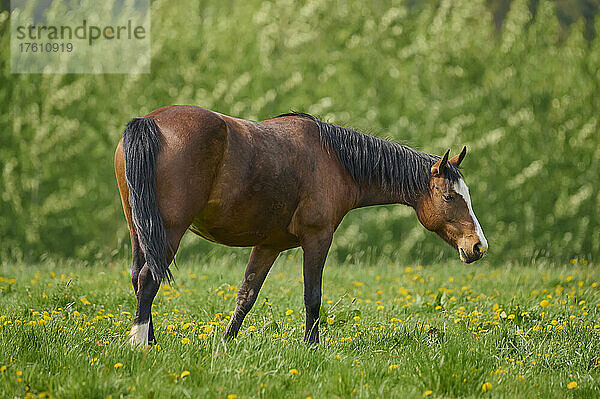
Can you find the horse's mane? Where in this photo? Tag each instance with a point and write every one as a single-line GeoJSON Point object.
{"type": "Point", "coordinates": [371, 160]}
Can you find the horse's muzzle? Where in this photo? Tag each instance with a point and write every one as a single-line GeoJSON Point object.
{"type": "Point", "coordinates": [470, 257]}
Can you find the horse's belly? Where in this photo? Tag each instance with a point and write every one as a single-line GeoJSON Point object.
{"type": "Point", "coordinates": [226, 236]}
{"type": "Point", "coordinates": [245, 225]}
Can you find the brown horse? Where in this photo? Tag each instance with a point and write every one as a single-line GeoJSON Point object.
{"type": "Point", "coordinates": [272, 185]}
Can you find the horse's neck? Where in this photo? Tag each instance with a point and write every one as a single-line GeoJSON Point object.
{"type": "Point", "coordinates": [375, 195]}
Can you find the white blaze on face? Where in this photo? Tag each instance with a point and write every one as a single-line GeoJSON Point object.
{"type": "Point", "coordinates": [461, 189]}
{"type": "Point", "coordinates": [138, 337]}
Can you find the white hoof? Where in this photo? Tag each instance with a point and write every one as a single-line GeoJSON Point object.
{"type": "Point", "coordinates": [138, 336]}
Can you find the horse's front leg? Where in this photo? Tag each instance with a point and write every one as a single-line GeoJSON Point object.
{"type": "Point", "coordinates": [315, 248]}
{"type": "Point", "coordinates": [261, 260]}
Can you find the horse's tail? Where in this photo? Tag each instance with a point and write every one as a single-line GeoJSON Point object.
{"type": "Point", "coordinates": [141, 145]}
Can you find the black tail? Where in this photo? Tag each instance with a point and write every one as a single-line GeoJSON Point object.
{"type": "Point", "coordinates": [141, 144]}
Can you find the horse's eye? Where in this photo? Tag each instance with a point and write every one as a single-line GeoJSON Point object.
{"type": "Point", "coordinates": [448, 197]}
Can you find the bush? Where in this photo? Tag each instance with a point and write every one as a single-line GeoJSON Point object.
{"type": "Point", "coordinates": [438, 75]}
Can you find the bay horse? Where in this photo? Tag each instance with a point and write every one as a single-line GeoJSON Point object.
{"type": "Point", "coordinates": [271, 185]}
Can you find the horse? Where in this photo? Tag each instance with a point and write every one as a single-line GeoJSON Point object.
{"type": "Point", "coordinates": [272, 185]}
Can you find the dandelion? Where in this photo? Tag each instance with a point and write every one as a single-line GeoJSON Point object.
{"type": "Point", "coordinates": [231, 396]}
{"type": "Point", "coordinates": [84, 301]}
{"type": "Point", "coordinates": [184, 374]}
{"type": "Point", "coordinates": [544, 303]}
{"type": "Point", "coordinates": [2, 369]}
{"type": "Point", "coordinates": [118, 365]}
{"type": "Point", "coordinates": [572, 385]}
{"type": "Point", "coordinates": [356, 318]}
{"type": "Point", "coordinates": [289, 312]}
{"type": "Point", "coordinates": [393, 366]}
{"type": "Point", "coordinates": [19, 373]}
{"type": "Point", "coordinates": [487, 386]}
{"type": "Point", "coordinates": [185, 341]}
{"type": "Point", "coordinates": [293, 371]}
{"type": "Point", "coordinates": [330, 320]}
{"type": "Point", "coordinates": [427, 393]}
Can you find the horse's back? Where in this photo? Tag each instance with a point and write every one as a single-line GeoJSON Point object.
{"type": "Point", "coordinates": [189, 124]}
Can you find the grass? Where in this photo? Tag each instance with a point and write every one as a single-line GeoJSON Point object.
{"type": "Point", "coordinates": [388, 330]}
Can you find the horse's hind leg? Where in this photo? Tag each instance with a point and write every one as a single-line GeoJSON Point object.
{"type": "Point", "coordinates": [261, 260]}
{"type": "Point", "coordinates": [146, 287]}
{"type": "Point", "coordinates": [141, 334]}
{"type": "Point", "coordinates": [146, 290]}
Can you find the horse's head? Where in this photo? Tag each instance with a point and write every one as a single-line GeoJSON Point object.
{"type": "Point", "coordinates": [447, 210]}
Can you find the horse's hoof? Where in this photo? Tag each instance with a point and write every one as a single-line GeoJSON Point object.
{"type": "Point", "coordinates": [138, 336]}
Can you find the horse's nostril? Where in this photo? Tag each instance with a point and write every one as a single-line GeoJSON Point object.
{"type": "Point", "coordinates": [477, 249]}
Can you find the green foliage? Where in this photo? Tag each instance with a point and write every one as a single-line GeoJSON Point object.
{"type": "Point", "coordinates": [439, 75]}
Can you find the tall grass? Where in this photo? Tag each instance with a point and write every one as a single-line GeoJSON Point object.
{"type": "Point", "coordinates": [439, 75]}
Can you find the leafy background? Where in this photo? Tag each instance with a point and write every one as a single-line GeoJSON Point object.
{"type": "Point", "coordinates": [513, 81]}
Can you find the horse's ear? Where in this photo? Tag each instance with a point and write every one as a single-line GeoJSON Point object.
{"type": "Point", "coordinates": [440, 166]}
{"type": "Point", "coordinates": [457, 159]}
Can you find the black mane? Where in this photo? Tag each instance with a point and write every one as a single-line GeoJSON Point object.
{"type": "Point", "coordinates": [371, 160]}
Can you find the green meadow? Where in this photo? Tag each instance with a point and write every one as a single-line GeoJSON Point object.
{"type": "Point", "coordinates": [387, 330]}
